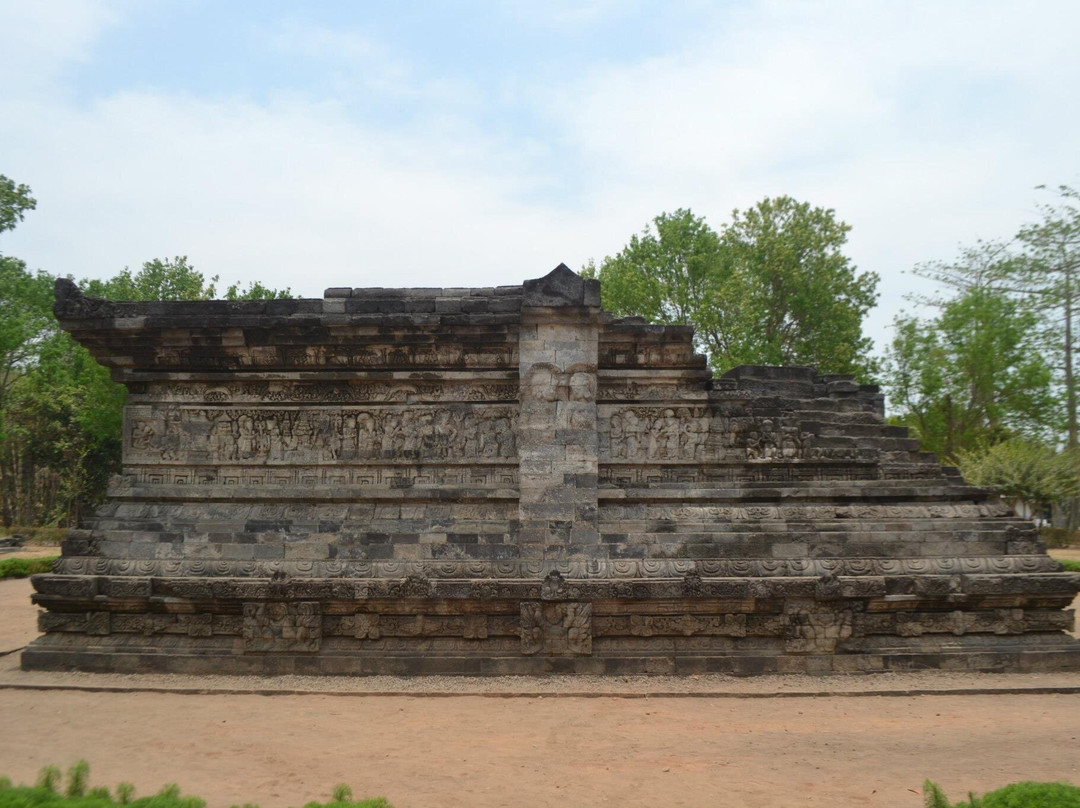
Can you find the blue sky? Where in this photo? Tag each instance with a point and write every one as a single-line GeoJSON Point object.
{"type": "Point", "coordinates": [359, 143]}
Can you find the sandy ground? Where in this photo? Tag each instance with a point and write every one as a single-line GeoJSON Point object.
{"type": "Point", "coordinates": [543, 749]}
{"type": "Point", "coordinates": [557, 752]}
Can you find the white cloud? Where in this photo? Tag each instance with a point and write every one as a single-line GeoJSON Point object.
{"type": "Point", "coordinates": [923, 125]}
{"type": "Point", "coordinates": [39, 39]}
{"type": "Point", "coordinates": [885, 112]}
{"type": "Point", "coordinates": [293, 194]}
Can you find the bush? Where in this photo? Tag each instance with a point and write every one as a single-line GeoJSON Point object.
{"type": "Point", "coordinates": [1070, 566]}
{"type": "Point", "coordinates": [22, 567]}
{"type": "Point", "coordinates": [1015, 795]}
{"type": "Point", "coordinates": [45, 794]}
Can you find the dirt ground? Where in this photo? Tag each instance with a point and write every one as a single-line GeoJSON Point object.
{"type": "Point", "coordinates": [557, 752]}
{"type": "Point", "coordinates": [553, 750]}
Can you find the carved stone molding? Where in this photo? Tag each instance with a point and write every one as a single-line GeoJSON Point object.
{"type": "Point", "coordinates": [593, 569]}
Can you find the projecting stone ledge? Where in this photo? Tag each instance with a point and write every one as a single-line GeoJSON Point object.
{"type": "Point", "coordinates": [506, 480]}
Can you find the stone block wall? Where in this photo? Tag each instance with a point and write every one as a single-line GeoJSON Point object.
{"type": "Point", "coordinates": [509, 480]}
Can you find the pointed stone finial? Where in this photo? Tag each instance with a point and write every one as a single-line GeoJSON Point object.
{"type": "Point", "coordinates": [562, 287]}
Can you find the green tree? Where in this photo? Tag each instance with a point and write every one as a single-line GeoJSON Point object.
{"type": "Point", "coordinates": [803, 301]}
{"type": "Point", "coordinates": [1049, 285]}
{"type": "Point", "coordinates": [169, 279]}
{"type": "Point", "coordinates": [667, 276]}
{"type": "Point", "coordinates": [15, 200]}
{"type": "Point", "coordinates": [971, 376]}
{"type": "Point", "coordinates": [60, 413]}
{"type": "Point", "coordinates": [256, 291]}
{"type": "Point", "coordinates": [772, 287]}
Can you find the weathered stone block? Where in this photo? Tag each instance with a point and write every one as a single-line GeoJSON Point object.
{"type": "Point", "coordinates": [509, 481]}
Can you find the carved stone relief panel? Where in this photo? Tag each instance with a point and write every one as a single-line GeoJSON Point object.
{"type": "Point", "coordinates": [556, 628]}
{"type": "Point", "coordinates": [282, 627]}
{"type": "Point", "coordinates": [644, 433]}
{"type": "Point", "coordinates": [315, 392]}
{"type": "Point", "coordinates": [318, 434]}
{"type": "Point", "coordinates": [368, 475]}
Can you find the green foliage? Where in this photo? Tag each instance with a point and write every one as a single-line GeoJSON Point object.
{"type": "Point", "coordinates": [342, 793]}
{"type": "Point", "coordinates": [49, 778]}
{"type": "Point", "coordinates": [256, 291]}
{"type": "Point", "coordinates": [1069, 564]}
{"type": "Point", "coordinates": [375, 802]}
{"type": "Point", "coordinates": [772, 287]}
{"type": "Point", "coordinates": [998, 360]}
{"type": "Point", "coordinates": [25, 319]}
{"type": "Point", "coordinates": [1015, 795]}
{"type": "Point", "coordinates": [1048, 282]}
{"type": "Point", "coordinates": [971, 376]}
{"type": "Point", "coordinates": [78, 794]}
{"type": "Point", "coordinates": [23, 567]}
{"type": "Point", "coordinates": [15, 200]}
{"type": "Point", "coordinates": [801, 300]}
{"type": "Point", "coordinates": [60, 412]}
{"type": "Point", "coordinates": [1023, 470]}
{"type": "Point", "coordinates": [173, 279]}
{"type": "Point", "coordinates": [666, 277]}
{"type": "Point", "coordinates": [933, 796]}
{"type": "Point", "coordinates": [78, 777]}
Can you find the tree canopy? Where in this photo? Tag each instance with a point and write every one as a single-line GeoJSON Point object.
{"type": "Point", "coordinates": [773, 286]}
{"type": "Point", "coordinates": [990, 379]}
{"type": "Point", "coordinates": [60, 413]}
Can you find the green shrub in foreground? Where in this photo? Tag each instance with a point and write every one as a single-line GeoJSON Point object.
{"type": "Point", "coordinates": [22, 567]}
{"type": "Point", "coordinates": [76, 793]}
{"type": "Point", "coordinates": [1016, 795]}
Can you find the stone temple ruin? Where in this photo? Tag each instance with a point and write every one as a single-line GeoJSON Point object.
{"type": "Point", "coordinates": [508, 480]}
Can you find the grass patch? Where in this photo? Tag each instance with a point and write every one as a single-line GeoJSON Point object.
{"type": "Point", "coordinates": [1069, 565]}
{"type": "Point", "coordinates": [73, 791]}
{"type": "Point", "coordinates": [22, 567]}
{"type": "Point", "coordinates": [1016, 795]}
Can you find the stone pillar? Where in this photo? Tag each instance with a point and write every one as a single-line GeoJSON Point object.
{"type": "Point", "coordinates": [558, 446]}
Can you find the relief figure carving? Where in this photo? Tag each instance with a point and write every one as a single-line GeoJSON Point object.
{"type": "Point", "coordinates": [230, 435]}
{"type": "Point", "coordinates": [556, 628]}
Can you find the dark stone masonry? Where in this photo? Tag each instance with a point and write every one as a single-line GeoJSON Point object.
{"type": "Point", "coordinates": [508, 480]}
